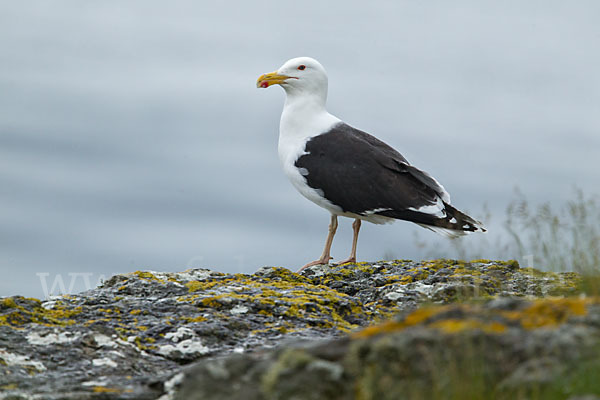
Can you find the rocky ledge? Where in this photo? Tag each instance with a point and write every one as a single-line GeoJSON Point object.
{"type": "Point", "coordinates": [367, 331]}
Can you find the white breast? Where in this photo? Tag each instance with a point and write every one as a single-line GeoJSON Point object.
{"type": "Point", "coordinates": [297, 127]}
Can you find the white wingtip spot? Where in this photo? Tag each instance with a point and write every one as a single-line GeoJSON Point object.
{"type": "Point", "coordinates": [437, 210]}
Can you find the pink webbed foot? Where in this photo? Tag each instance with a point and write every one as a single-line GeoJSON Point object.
{"type": "Point", "coordinates": [346, 261]}
{"type": "Point", "coordinates": [321, 261]}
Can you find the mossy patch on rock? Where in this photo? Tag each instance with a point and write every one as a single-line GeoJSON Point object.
{"type": "Point", "coordinates": [539, 313]}
{"type": "Point", "coordinates": [18, 311]}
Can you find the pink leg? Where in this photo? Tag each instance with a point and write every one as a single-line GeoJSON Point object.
{"type": "Point", "coordinates": [325, 257]}
{"type": "Point", "coordinates": [352, 258]}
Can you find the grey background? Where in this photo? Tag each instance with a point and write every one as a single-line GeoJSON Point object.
{"type": "Point", "coordinates": [132, 135]}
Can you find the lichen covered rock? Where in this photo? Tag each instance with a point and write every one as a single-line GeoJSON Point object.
{"type": "Point", "coordinates": [502, 349]}
{"type": "Point", "coordinates": [133, 336]}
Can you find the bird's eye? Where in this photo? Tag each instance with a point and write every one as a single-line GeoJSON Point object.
{"type": "Point", "coordinates": [302, 67]}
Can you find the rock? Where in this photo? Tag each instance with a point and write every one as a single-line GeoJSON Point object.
{"type": "Point", "coordinates": [133, 337]}
{"type": "Point", "coordinates": [533, 373]}
{"type": "Point", "coordinates": [438, 352]}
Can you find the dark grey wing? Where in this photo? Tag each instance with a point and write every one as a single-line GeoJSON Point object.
{"type": "Point", "coordinates": [363, 175]}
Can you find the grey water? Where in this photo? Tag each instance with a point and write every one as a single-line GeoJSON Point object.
{"type": "Point", "coordinates": [132, 135]}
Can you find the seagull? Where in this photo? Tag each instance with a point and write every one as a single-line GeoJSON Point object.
{"type": "Point", "coordinates": [347, 171]}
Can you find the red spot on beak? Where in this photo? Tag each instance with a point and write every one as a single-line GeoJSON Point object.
{"type": "Point", "coordinates": [264, 84]}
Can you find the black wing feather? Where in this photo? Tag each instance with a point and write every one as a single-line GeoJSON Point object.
{"type": "Point", "coordinates": [360, 173]}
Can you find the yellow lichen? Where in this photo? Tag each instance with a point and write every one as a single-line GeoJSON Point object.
{"type": "Point", "coordinates": [481, 261]}
{"type": "Point", "coordinates": [104, 389]}
{"type": "Point", "coordinates": [385, 327]}
{"type": "Point", "coordinates": [301, 298]}
{"type": "Point", "coordinates": [9, 386]}
{"type": "Point", "coordinates": [194, 286]}
{"type": "Point", "coordinates": [416, 317]}
{"type": "Point", "coordinates": [453, 325]}
{"type": "Point", "coordinates": [421, 315]}
{"type": "Point", "coordinates": [543, 313]}
{"type": "Point", "coordinates": [547, 313]}
{"type": "Point", "coordinates": [199, 318]}
{"type": "Point", "coordinates": [149, 276]}
{"type": "Point", "coordinates": [35, 313]}
{"type": "Point", "coordinates": [93, 321]}
{"type": "Point", "coordinates": [8, 302]}
{"type": "Point", "coordinates": [110, 310]}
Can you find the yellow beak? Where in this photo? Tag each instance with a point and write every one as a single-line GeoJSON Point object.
{"type": "Point", "coordinates": [272, 78]}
